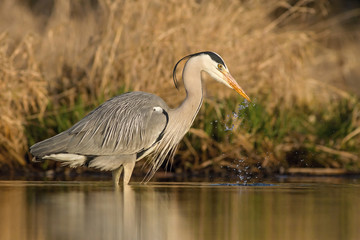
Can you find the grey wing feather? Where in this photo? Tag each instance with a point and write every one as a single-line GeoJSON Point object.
{"type": "Point", "coordinates": [55, 144]}
{"type": "Point", "coordinates": [125, 124]}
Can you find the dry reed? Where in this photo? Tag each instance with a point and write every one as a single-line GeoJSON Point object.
{"type": "Point", "coordinates": [23, 90]}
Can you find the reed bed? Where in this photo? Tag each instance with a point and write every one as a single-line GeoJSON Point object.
{"type": "Point", "coordinates": [59, 59]}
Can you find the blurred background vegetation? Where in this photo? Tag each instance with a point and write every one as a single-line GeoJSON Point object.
{"type": "Point", "coordinates": [297, 59]}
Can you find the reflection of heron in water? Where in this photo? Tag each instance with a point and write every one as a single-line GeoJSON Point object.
{"type": "Point", "coordinates": [129, 127]}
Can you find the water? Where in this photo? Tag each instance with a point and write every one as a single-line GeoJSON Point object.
{"type": "Point", "coordinates": [94, 210]}
{"type": "Point", "coordinates": [236, 116]}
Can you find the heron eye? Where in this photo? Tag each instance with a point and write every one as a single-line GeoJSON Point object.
{"type": "Point", "coordinates": [220, 66]}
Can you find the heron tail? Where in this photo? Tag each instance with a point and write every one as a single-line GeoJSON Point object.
{"type": "Point", "coordinates": [55, 144]}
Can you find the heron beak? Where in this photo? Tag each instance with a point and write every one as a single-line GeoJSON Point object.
{"type": "Point", "coordinates": [234, 85]}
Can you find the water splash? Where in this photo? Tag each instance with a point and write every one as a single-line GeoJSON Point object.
{"type": "Point", "coordinates": [214, 122]}
{"type": "Point", "coordinates": [243, 105]}
{"type": "Point", "coordinates": [238, 115]}
{"type": "Point", "coordinates": [229, 128]}
{"type": "Point", "coordinates": [242, 172]}
{"type": "Point", "coordinates": [245, 184]}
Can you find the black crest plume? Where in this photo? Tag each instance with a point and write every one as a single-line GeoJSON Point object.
{"type": "Point", "coordinates": [213, 56]}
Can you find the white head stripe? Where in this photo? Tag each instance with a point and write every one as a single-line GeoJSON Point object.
{"type": "Point", "coordinates": [158, 109]}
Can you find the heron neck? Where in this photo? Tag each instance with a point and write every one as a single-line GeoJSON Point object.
{"type": "Point", "coordinates": [194, 93]}
{"type": "Point", "coordinates": [181, 118]}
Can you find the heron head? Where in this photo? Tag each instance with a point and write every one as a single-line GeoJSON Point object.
{"type": "Point", "coordinates": [215, 66]}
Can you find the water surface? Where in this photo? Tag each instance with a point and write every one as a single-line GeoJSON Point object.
{"type": "Point", "coordinates": [94, 210]}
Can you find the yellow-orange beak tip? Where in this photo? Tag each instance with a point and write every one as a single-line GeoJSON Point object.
{"type": "Point", "coordinates": [234, 85]}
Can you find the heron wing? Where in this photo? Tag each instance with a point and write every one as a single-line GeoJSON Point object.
{"type": "Point", "coordinates": [126, 124]}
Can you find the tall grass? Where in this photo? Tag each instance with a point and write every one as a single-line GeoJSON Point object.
{"type": "Point", "coordinates": [23, 90]}
{"type": "Point", "coordinates": [292, 59]}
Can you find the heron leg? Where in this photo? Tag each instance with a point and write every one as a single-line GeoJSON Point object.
{"type": "Point", "coordinates": [128, 169]}
{"type": "Point", "coordinates": [116, 175]}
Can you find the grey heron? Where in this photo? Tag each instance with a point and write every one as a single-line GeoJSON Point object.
{"type": "Point", "coordinates": [131, 126]}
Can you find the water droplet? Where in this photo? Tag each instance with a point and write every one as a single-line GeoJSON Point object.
{"type": "Point", "coordinates": [229, 128]}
